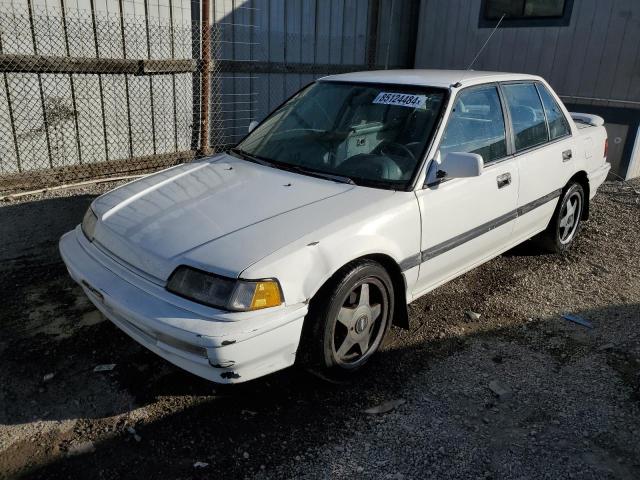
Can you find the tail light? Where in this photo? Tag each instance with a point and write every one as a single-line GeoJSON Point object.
{"type": "Point", "coordinates": [606, 147]}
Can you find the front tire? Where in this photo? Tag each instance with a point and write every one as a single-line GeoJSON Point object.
{"type": "Point", "coordinates": [349, 318]}
{"type": "Point", "coordinates": [566, 221]}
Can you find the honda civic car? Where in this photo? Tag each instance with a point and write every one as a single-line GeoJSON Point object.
{"type": "Point", "coordinates": [306, 241]}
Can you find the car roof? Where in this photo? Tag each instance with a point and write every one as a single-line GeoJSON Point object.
{"type": "Point", "coordinates": [428, 78]}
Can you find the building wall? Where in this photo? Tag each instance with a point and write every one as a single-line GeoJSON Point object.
{"type": "Point", "coordinates": [316, 33]}
{"type": "Point", "coordinates": [593, 63]}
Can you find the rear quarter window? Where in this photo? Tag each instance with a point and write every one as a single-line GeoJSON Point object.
{"type": "Point", "coordinates": [527, 115]}
{"type": "Point", "coordinates": [558, 125]}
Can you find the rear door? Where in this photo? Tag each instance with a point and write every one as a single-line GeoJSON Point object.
{"type": "Point", "coordinates": [465, 221]}
{"type": "Point", "coordinates": [543, 149]}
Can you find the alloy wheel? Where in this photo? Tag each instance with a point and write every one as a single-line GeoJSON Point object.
{"type": "Point", "coordinates": [570, 217]}
{"type": "Point", "coordinates": [360, 323]}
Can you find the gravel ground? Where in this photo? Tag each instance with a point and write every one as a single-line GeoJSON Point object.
{"type": "Point", "coordinates": [516, 393]}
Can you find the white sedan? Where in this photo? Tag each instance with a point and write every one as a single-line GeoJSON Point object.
{"type": "Point", "coordinates": [361, 193]}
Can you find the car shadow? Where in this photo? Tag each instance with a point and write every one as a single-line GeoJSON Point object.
{"type": "Point", "coordinates": [53, 339]}
{"type": "Point", "coordinates": [529, 248]}
{"type": "Point", "coordinates": [27, 227]}
{"type": "Point", "coordinates": [292, 410]}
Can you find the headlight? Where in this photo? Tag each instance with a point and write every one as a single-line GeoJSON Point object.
{"type": "Point", "coordinates": [89, 224]}
{"type": "Point", "coordinates": [221, 292]}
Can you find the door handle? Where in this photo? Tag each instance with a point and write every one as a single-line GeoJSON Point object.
{"type": "Point", "coordinates": [566, 155]}
{"type": "Point", "coordinates": [503, 180]}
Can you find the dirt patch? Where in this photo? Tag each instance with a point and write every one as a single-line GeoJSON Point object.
{"type": "Point", "coordinates": [568, 403]}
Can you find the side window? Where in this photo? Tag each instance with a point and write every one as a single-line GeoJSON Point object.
{"type": "Point", "coordinates": [476, 125]}
{"type": "Point", "coordinates": [527, 115]}
{"type": "Point", "coordinates": [558, 126]}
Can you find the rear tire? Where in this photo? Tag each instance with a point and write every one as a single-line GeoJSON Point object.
{"type": "Point", "coordinates": [348, 318]}
{"type": "Point", "coordinates": [566, 221]}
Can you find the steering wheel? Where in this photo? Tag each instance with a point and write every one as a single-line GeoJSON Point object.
{"type": "Point", "coordinates": [386, 144]}
{"type": "Point", "coordinates": [372, 166]}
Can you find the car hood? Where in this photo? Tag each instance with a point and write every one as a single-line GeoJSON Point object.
{"type": "Point", "coordinates": [154, 223]}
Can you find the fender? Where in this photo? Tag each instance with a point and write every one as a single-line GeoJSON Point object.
{"type": "Point", "coordinates": [304, 266]}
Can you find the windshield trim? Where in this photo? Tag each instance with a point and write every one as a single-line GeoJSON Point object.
{"type": "Point", "coordinates": [309, 172]}
{"type": "Point", "coordinates": [407, 185]}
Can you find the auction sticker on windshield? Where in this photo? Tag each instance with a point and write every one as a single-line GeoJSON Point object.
{"type": "Point", "coordinates": [401, 99]}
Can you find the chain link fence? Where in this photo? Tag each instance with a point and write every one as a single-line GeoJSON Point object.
{"type": "Point", "coordinates": [107, 88]}
{"type": "Point", "coordinates": [87, 93]}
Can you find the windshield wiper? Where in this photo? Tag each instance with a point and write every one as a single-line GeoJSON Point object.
{"type": "Point", "coordinates": [293, 168]}
{"type": "Point", "coordinates": [314, 173]}
{"type": "Point", "coordinates": [251, 158]}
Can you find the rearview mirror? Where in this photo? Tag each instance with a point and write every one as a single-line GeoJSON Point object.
{"type": "Point", "coordinates": [461, 165]}
{"type": "Point", "coordinates": [252, 125]}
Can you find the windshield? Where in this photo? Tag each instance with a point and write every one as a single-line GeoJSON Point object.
{"type": "Point", "coordinates": [367, 134]}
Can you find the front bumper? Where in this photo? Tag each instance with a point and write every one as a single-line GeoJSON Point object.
{"type": "Point", "coordinates": [221, 346]}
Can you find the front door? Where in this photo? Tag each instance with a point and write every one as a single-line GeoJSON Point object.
{"type": "Point", "coordinates": [466, 221]}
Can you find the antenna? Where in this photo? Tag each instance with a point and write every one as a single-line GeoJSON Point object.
{"type": "Point", "coordinates": [386, 60]}
{"type": "Point", "coordinates": [486, 41]}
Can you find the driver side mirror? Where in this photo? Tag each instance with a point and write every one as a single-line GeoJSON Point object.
{"type": "Point", "coordinates": [252, 126]}
{"type": "Point", "coordinates": [460, 165]}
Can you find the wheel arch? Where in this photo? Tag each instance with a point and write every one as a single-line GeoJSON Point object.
{"type": "Point", "coordinates": [400, 310]}
{"type": "Point", "coordinates": [582, 178]}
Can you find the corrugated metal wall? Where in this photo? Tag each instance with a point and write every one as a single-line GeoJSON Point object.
{"type": "Point", "coordinates": [311, 34]}
{"type": "Point", "coordinates": [593, 63]}
{"type": "Point", "coordinates": [597, 56]}
{"type": "Point", "coordinates": [307, 31]}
